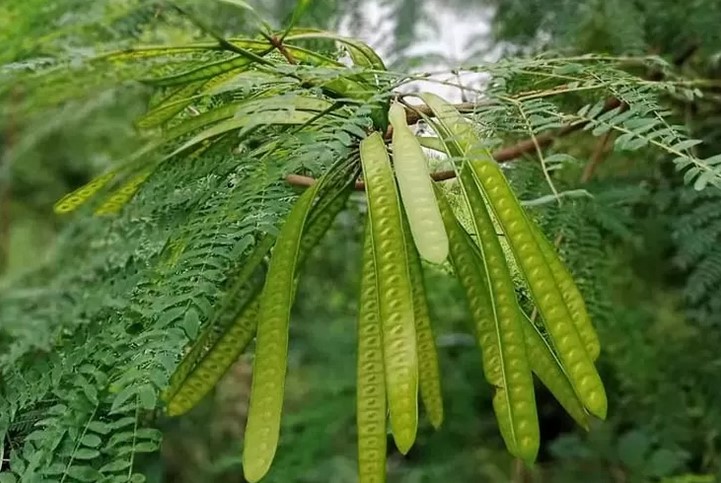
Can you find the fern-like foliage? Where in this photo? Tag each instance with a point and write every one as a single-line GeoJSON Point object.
{"type": "Point", "coordinates": [89, 341]}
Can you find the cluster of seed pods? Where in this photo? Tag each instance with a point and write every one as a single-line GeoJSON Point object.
{"type": "Point", "coordinates": [410, 220]}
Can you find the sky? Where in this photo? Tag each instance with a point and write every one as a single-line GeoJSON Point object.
{"type": "Point", "coordinates": [451, 36]}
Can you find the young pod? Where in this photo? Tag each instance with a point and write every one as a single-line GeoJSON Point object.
{"type": "Point", "coordinates": [414, 182]}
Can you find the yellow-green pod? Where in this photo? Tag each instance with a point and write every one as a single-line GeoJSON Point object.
{"type": "Point", "coordinates": [461, 140]}
{"type": "Point", "coordinates": [394, 291]}
{"type": "Point", "coordinates": [543, 285]}
{"type": "Point", "coordinates": [501, 335]}
{"type": "Point", "coordinates": [551, 372]}
{"type": "Point", "coordinates": [169, 107]}
{"type": "Point", "coordinates": [571, 295]}
{"type": "Point", "coordinates": [416, 190]}
{"type": "Point", "coordinates": [75, 199]}
{"type": "Point", "coordinates": [122, 196]}
{"type": "Point", "coordinates": [428, 370]}
{"type": "Point", "coordinates": [371, 389]}
{"type": "Point", "coordinates": [271, 352]}
{"type": "Point", "coordinates": [216, 362]}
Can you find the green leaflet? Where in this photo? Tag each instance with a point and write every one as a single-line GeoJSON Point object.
{"type": "Point", "coordinates": [487, 280]}
{"type": "Point", "coordinates": [394, 289]}
{"type": "Point", "coordinates": [571, 295]}
{"type": "Point", "coordinates": [371, 390]}
{"type": "Point", "coordinates": [416, 189]}
{"type": "Point", "coordinates": [462, 141]}
{"type": "Point", "coordinates": [361, 54]}
{"type": "Point", "coordinates": [552, 373]}
{"type": "Point", "coordinates": [428, 370]}
{"type": "Point", "coordinates": [266, 396]}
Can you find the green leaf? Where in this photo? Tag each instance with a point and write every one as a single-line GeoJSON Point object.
{"type": "Point", "coordinates": [91, 440]}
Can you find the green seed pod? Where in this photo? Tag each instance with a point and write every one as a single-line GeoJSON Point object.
{"type": "Point", "coordinates": [244, 290]}
{"type": "Point", "coordinates": [203, 72]}
{"type": "Point", "coordinates": [271, 353]}
{"type": "Point", "coordinates": [571, 295]}
{"type": "Point", "coordinates": [189, 384]}
{"type": "Point", "coordinates": [394, 289]}
{"type": "Point", "coordinates": [371, 390]}
{"type": "Point", "coordinates": [501, 335]}
{"type": "Point", "coordinates": [462, 141]}
{"type": "Point", "coordinates": [543, 286]}
{"type": "Point", "coordinates": [552, 373]}
{"type": "Point", "coordinates": [416, 190]}
{"type": "Point", "coordinates": [75, 199]}
{"type": "Point", "coordinates": [428, 370]}
{"type": "Point", "coordinates": [224, 352]}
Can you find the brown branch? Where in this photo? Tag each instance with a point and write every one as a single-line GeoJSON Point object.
{"type": "Point", "coordinates": [502, 155]}
{"type": "Point", "coordinates": [278, 44]}
{"type": "Point", "coordinates": [596, 158]}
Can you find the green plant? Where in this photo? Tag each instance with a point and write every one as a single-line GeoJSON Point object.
{"type": "Point", "coordinates": [234, 125]}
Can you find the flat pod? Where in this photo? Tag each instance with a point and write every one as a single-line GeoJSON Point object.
{"type": "Point", "coordinates": [490, 291]}
{"type": "Point", "coordinates": [216, 362]}
{"type": "Point", "coordinates": [462, 141]}
{"type": "Point", "coordinates": [571, 295]}
{"type": "Point", "coordinates": [394, 289]}
{"type": "Point", "coordinates": [551, 372]}
{"type": "Point", "coordinates": [543, 286]}
{"type": "Point", "coordinates": [416, 189]}
{"type": "Point", "coordinates": [371, 390]}
{"type": "Point", "coordinates": [428, 368]}
{"type": "Point", "coordinates": [271, 353]}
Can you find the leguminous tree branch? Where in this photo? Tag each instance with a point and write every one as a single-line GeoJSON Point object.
{"type": "Point", "coordinates": [508, 153]}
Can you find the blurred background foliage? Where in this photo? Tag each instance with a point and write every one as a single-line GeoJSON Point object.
{"type": "Point", "coordinates": [644, 247]}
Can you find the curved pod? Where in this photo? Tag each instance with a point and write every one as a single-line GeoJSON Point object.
{"type": "Point", "coordinates": [500, 331]}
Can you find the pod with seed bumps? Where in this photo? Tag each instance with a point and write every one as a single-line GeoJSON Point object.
{"type": "Point", "coordinates": [552, 373]}
{"type": "Point", "coordinates": [428, 370]}
{"type": "Point", "coordinates": [490, 296]}
{"type": "Point", "coordinates": [414, 182]}
{"type": "Point", "coordinates": [371, 390]}
{"type": "Point", "coordinates": [546, 294]}
{"type": "Point", "coordinates": [571, 295]}
{"type": "Point", "coordinates": [394, 291]}
{"type": "Point", "coordinates": [462, 141]}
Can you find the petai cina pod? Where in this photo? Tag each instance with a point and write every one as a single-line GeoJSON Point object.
{"type": "Point", "coordinates": [271, 352]}
{"type": "Point", "coordinates": [416, 189]}
{"type": "Point", "coordinates": [371, 390]}
{"type": "Point", "coordinates": [462, 141]}
{"type": "Point", "coordinates": [429, 377]}
{"type": "Point", "coordinates": [489, 289]}
{"type": "Point", "coordinates": [394, 291]}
